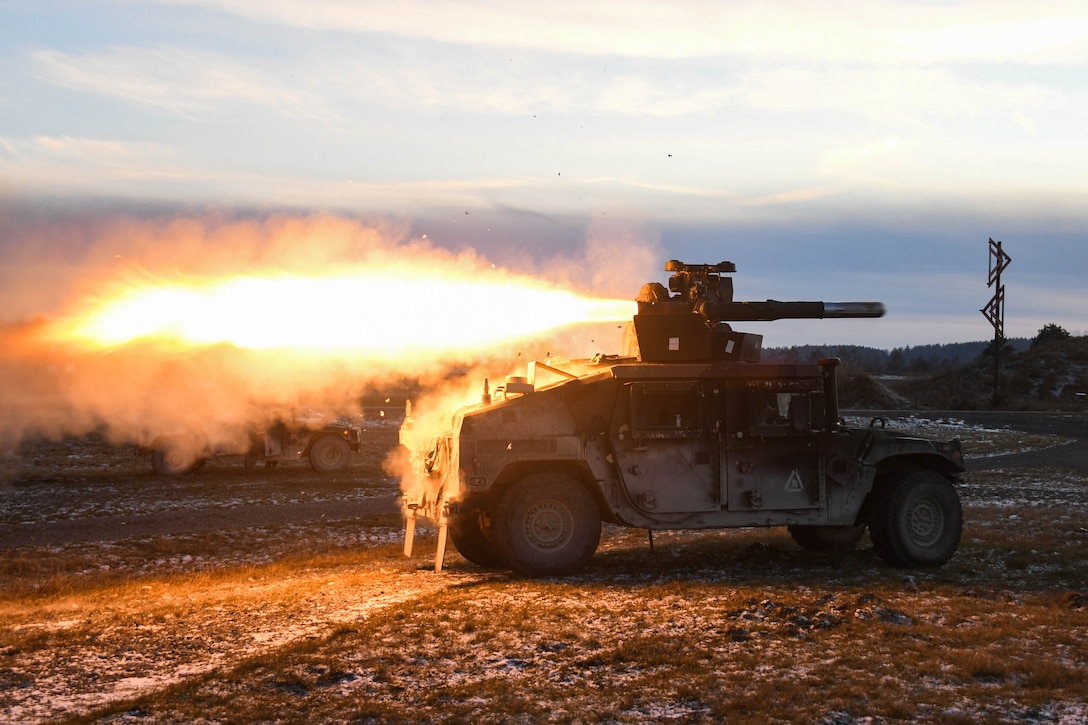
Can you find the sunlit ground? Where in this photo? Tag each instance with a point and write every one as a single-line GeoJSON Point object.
{"type": "Point", "coordinates": [329, 622]}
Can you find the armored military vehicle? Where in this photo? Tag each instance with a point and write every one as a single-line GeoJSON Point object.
{"type": "Point", "coordinates": [685, 430]}
{"type": "Point", "coordinates": [327, 445]}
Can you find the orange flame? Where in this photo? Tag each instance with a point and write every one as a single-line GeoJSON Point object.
{"type": "Point", "coordinates": [258, 319]}
{"type": "Point", "coordinates": [375, 314]}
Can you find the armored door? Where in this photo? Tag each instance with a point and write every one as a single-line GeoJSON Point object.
{"type": "Point", "coordinates": [771, 448]}
{"type": "Point", "coordinates": [666, 447]}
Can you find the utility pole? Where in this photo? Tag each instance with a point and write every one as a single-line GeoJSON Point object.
{"type": "Point", "coordinates": [995, 309]}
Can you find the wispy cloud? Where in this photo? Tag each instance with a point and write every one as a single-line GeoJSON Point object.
{"type": "Point", "coordinates": [637, 96]}
{"type": "Point", "coordinates": [89, 165]}
{"type": "Point", "coordinates": [101, 150]}
{"type": "Point", "coordinates": [181, 81]}
{"type": "Point", "coordinates": [880, 62]}
{"type": "Point", "coordinates": [901, 95]}
{"type": "Point", "coordinates": [883, 31]}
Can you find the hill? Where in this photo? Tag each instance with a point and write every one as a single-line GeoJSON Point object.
{"type": "Point", "coordinates": [1047, 375]}
{"type": "Point", "coordinates": [909, 359]}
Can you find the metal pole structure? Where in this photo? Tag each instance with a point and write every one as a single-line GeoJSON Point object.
{"type": "Point", "coordinates": [995, 309]}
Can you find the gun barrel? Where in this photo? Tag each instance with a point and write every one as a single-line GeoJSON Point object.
{"type": "Point", "coordinates": [775, 310]}
{"type": "Point", "coordinates": [853, 309]}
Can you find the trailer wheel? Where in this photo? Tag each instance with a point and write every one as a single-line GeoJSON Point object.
{"type": "Point", "coordinates": [827, 538]}
{"type": "Point", "coordinates": [174, 456]}
{"type": "Point", "coordinates": [917, 519]}
{"type": "Point", "coordinates": [472, 541]}
{"type": "Point", "coordinates": [546, 524]}
{"type": "Point", "coordinates": [329, 454]}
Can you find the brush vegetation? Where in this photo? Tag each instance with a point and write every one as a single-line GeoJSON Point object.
{"type": "Point", "coordinates": [1050, 374]}
{"type": "Point", "coordinates": [737, 626]}
{"type": "Point", "coordinates": [327, 622]}
{"type": "Point", "coordinates": [712, 627]}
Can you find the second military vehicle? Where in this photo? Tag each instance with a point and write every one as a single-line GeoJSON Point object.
{"type": "Point", "coordinates": [686, 430]}
{"type": "Point", "coordinates": [327, 445]}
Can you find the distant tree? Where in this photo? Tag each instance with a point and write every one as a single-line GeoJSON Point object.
{"type": "Point", "coordinates": [896, 360]}
{"type": "Point", "coordinates": [1000, 343]}
{"type": "Point", "coordinates": [921, 365]}
{"type": "Point", "coordinates": [1049, 333]}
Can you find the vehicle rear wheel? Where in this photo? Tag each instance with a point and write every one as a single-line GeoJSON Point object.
{"type": "Point", "coordinates": [827, 538]}
{"type": "Point", "coordinates": [329, 454]}
{"type": "Point", "coordinates": [174, 456]}
{"type": "Point", "coordinates": [472, 539]}
{"type": "Point", "coordinates": [547, 524]}
{"type": "Point", "coordinates": [917, 519]}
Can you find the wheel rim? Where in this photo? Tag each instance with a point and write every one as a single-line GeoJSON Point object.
{"type": "Point", "coordinates": [176, 459]}
{"type": "Point", "coordinates": [548, 525]}
{"type": "Point", "coordinates": [925, 522]}
{"type": "Point", "coordinates": [330, 455]}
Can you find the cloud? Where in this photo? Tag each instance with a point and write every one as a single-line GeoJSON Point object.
{"type": "Point", "coordinates": [915, 98]}
{"type": "Point", "coordinates": [99, 150]}
{"type": "Point", "coordinates": [185, 82]}
{"type": "Point", "coordinates": [854, 162]}
{"type": "Point", "coordinates": [91, 165]}
{"type": "Point", "coordinates": [1036, 33]}
{"type": "Point", "coordinates": [447, 80]}
{"type": "Point", "coordinates": [885, 31]}
{"type": "Point", "coordinates": [380, 106]}
{"type": "Point", "coordinates": [637, 96]}
{"type": "Point", "coordinates": [881, 62]}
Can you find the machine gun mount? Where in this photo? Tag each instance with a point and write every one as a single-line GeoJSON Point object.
{"type": "Point", "coordinates": [688, 322]}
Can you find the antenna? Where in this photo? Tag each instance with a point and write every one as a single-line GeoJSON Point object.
{"type": "Point", "coordinates": [994, 311]}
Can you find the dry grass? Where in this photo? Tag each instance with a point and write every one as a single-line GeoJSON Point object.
{"type": "Point", "coordinates": [708, 627]}
{"type": "Point", "coordinates": [736, 626]}
{"type": "Point", "coordinates": [493, 649]}
{"type": "Point", "coordinates": [977, 442]}
{"type": "Point", "coordinates": [37, 573]}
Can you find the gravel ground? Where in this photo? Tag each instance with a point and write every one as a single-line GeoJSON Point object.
{"type": "Point", "coordinates": [79, 512]}
{"type": "Point", "coordinates": [1073, 427]}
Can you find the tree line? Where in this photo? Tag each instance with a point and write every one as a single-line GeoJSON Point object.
{"type": "Point", "coordinates": [909, 359]}
{"type": "Point", "coordinates": [918, 358]}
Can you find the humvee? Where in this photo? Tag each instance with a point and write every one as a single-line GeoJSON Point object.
{"type": "Point", "coordinates": [327, 445]}
{"type": "Point", "coordinates": [686, 429]}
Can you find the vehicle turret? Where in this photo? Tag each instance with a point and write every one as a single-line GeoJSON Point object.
{"type": "Point", "coordinates": [689, 321]}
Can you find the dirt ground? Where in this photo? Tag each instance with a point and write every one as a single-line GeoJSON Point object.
{"type": "Point", "coordinates": [119, 584]}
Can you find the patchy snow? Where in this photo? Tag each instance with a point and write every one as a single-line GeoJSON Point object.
{"type": "Point", "coordinates": [66, 654]}
{"type": "Point", "coordinates": [124, 659]}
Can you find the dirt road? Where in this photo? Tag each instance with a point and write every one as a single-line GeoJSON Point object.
{"type": "Point", "coordinates": [1067, 425]}
{"type": "Point", "coordinates": [232, 589]}
{"type": "Point", "coordinates": [84, 491]}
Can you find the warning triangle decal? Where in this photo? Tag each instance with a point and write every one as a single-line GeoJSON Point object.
{"type": "Point", "coordinates": [794, 483]}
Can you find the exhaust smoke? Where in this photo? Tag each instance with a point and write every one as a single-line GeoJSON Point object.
{"type": "Point", "coordinates": [137, 327]}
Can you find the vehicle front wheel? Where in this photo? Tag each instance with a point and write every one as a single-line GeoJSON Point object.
{"type": "Point", "coordinates": [329, 454]}
{"type": "Point", "coordinates": [472, 540]}
{"type": "Point", "coordinates": [174, 457]}
{"type": "Point", "coordinates": [916, 519]}
{"type": "Point", "coordinates": [546, 524]}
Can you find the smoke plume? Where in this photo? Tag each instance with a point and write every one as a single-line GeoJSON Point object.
{"type": "Point", "coordinates": [57, 271]}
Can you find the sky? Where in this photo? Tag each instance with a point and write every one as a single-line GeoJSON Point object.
{"type": "Point", "coordinates": [862, 153]}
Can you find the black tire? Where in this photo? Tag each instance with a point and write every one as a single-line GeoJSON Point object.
{"type": "Point", "coordinates": [833, 539]}
{"type": "Point", "coordinates": [329, 454]}
{"type": "Point", "coordinates": [916, 519]}
{"type": "Point", "coordinates": [472, 541]}
{"type": "Point", "coordinates": [546, 524]}
{"type": "Point", "coordinates": [174, 457]}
